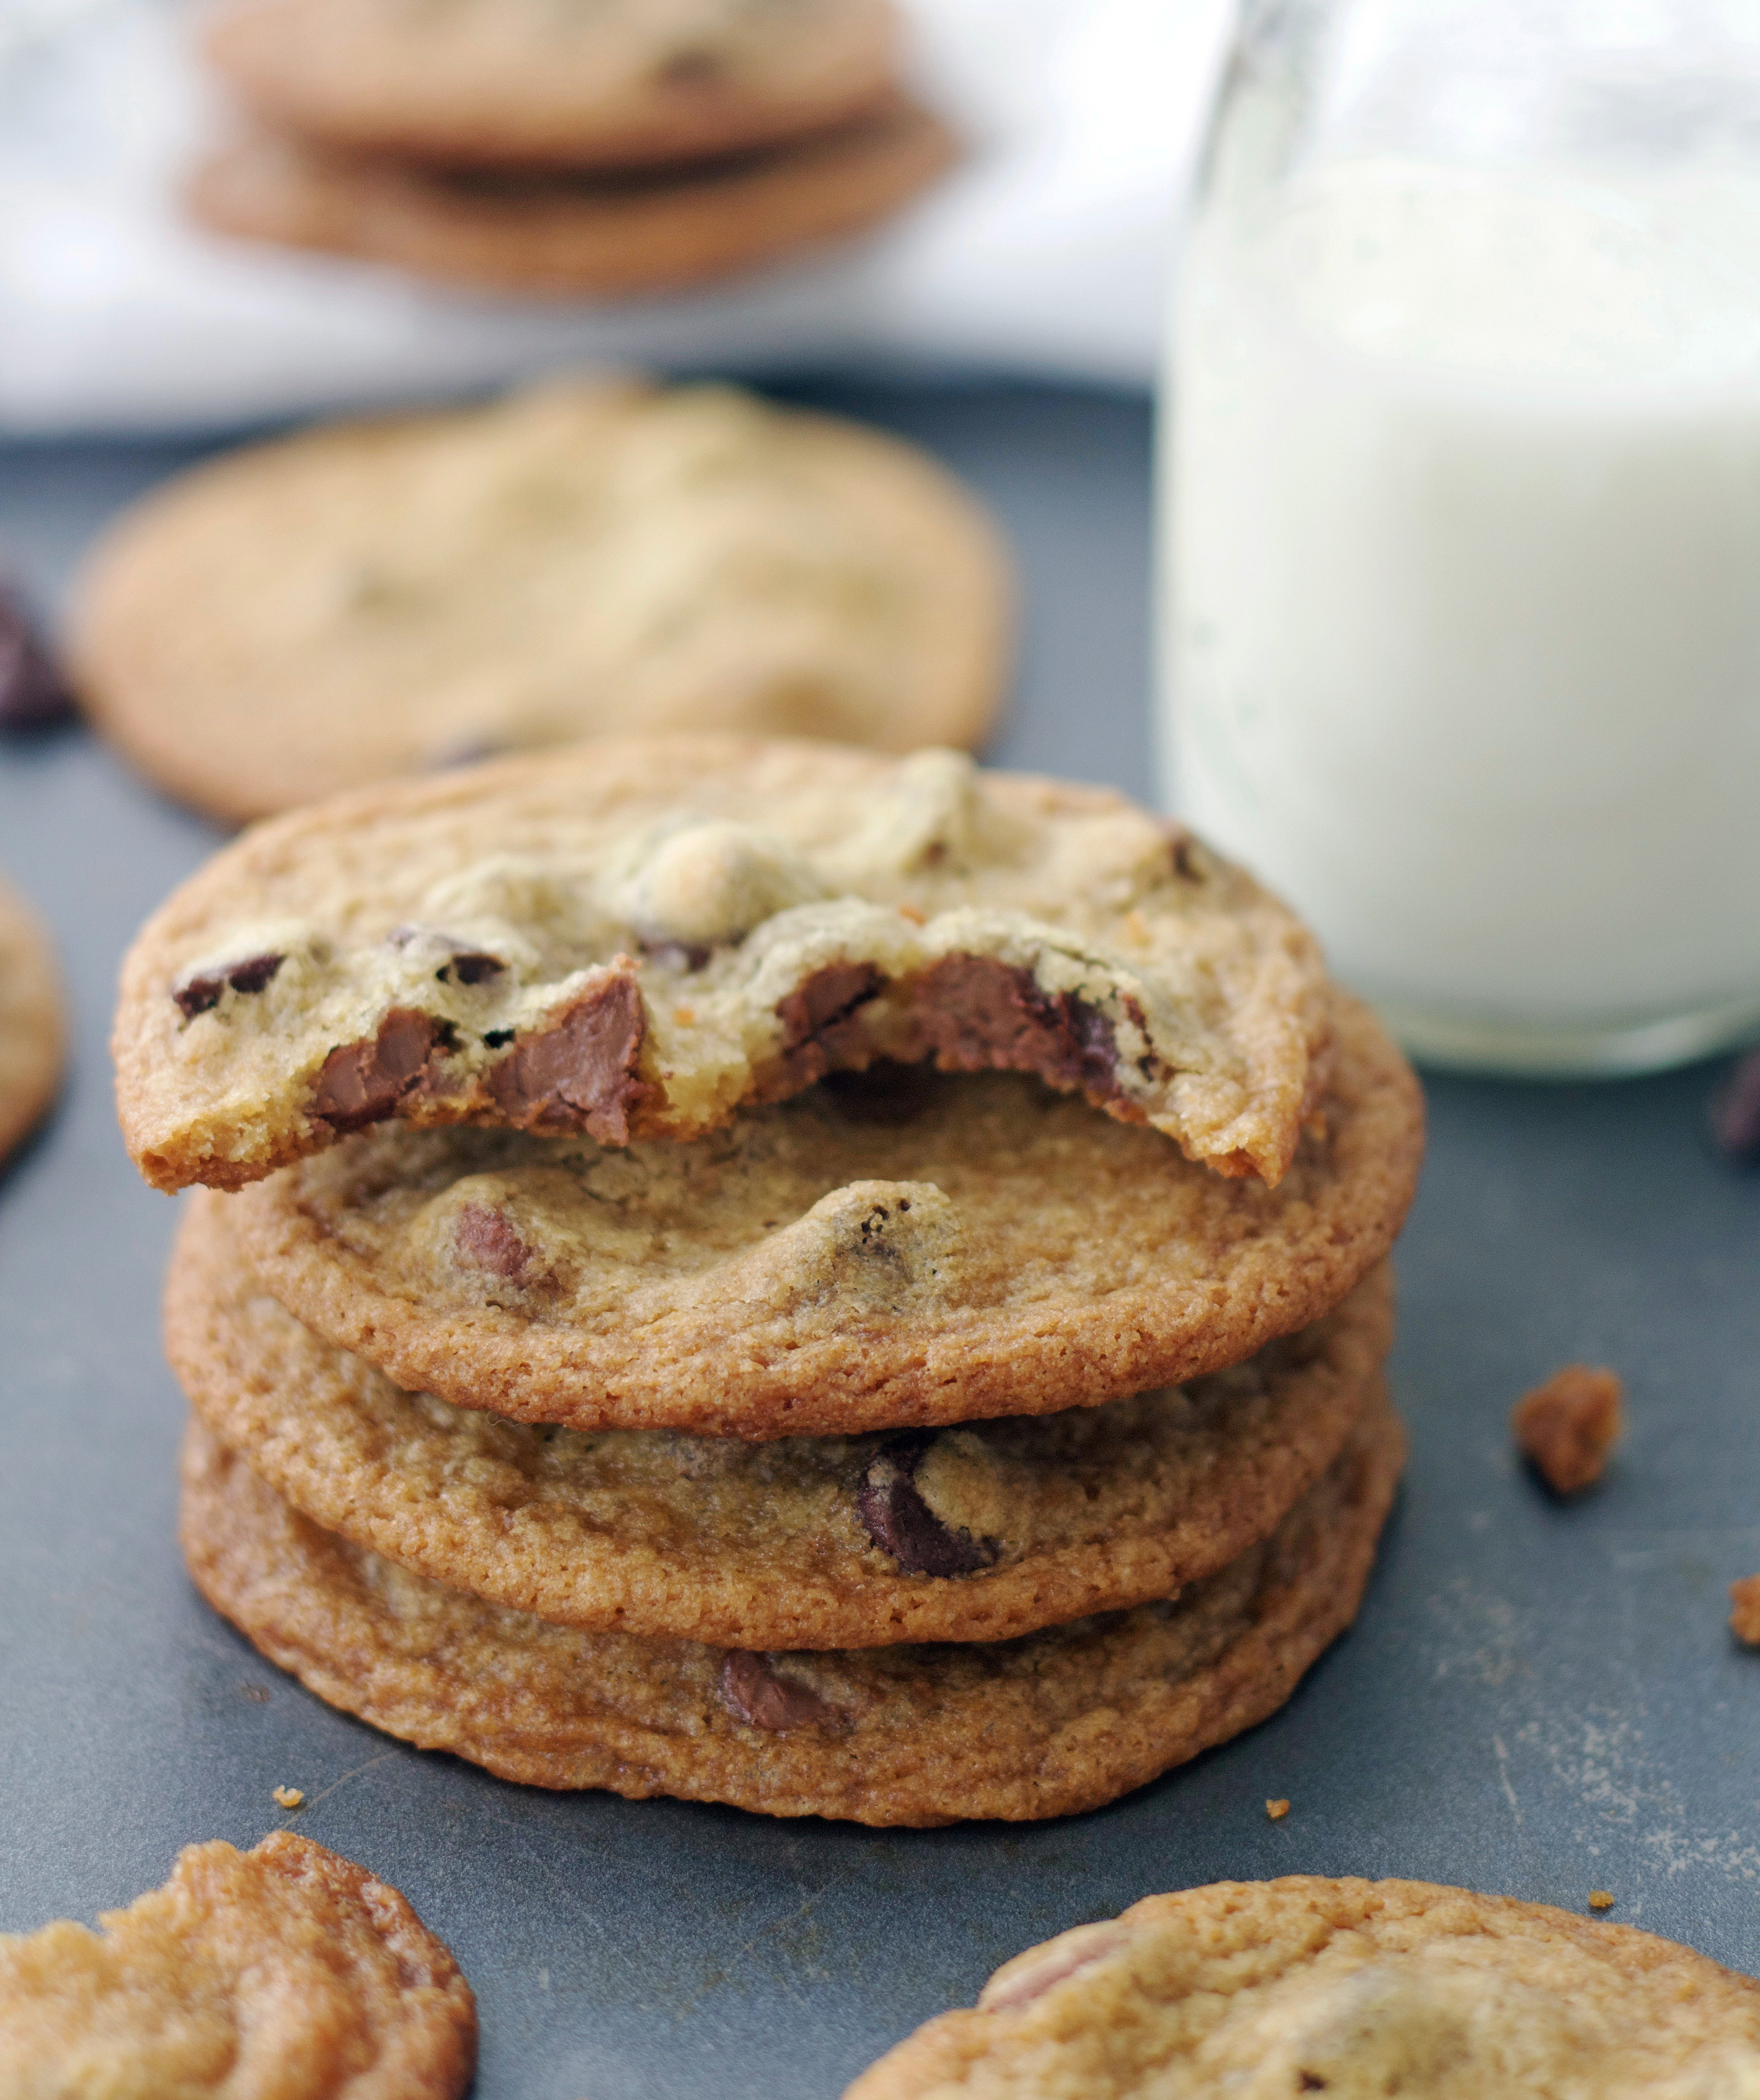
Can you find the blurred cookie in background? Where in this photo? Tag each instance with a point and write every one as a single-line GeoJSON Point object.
{"type": "Point", "coordinates": [624, 83]}
{"type": "Point", "coordinates": [32, 1022]}
{"type": "Point", "coordinates": [631, 146]}
{"type": "Point", "coordinates": [371, 599]}
{"type": "Point", "coordinates": [590, 234]}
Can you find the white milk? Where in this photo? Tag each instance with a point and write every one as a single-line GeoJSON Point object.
{"type": "Point", "coordinates": [1463, 551]}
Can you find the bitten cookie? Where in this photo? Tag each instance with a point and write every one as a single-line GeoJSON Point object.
{"type": "Point", "coordinates": [506, 81]}
{"type": "Point", "coordinates": [1058, 1721]}
{"type": "Point", "coordinates": [593, 236]}
{"type": "Point", "coordinates": [286, 1972]}
{"type": "Point", "coordinates": [33, 1026]}
{"type": "Point", "coordinates": [973, 1535]}
{"type": "Point", "coordinates": [857, 1259]}
{"type": "Point", "coordinates": [1263, 1989]}
{"type": "Point", "coordinates": [366, 600]}
{"type": "Point", "coordinates": [639, 939]}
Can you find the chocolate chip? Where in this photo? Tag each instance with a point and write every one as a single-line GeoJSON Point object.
{"type": "Point", "coordinates": [816, 1017]}
{"type": "Point", "coordinates": [691, 956]}
{"type": "Point", "coordinates": [752, 1693]}
{"type": "Point", "coordinates": [1030, 1976]}
{"type": "Point", "coordinates": [33, 694]}
{"type": "Point", "coordinates": [977, 1014]}
{"type": "Point", "coordinates": [1734, 1113]}
{"type": "Point", "coordinates": [1183, 853]}
{"type": "Point", "coordinates": [693, 66]}
{"type": "Point", "coordinates": [363, 1083]}
{"type": "Point", "coordinates": [896, 1517]}
{"type": "Point", "coordinates": [498, 1039]}
{"type": "Point", "coordinates": [578, 1073]}
{"type": "Point", "coordinates": [465, 965]}
{"type": "Point", "coordinates": [821, 1001]}
{"type": "Point", "coordinates": [199, 995]}
{"type": "Point", "coordinates": [486, 1239]}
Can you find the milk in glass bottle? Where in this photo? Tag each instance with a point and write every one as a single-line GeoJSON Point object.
{"type": "Point", "coordinates": [1461, 512]}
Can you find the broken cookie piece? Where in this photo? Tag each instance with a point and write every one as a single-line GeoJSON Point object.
{"type": "Point", "coordinates": [1745, 1610]}
{"type": "Point", "coordinates": [1566, 1427]}
{"type": "Point", "coordinates": [261, 1975]}
{"type": "Point", "coordinates": [644, 941]}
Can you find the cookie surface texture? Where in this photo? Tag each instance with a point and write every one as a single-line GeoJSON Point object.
{"type": "Point", "coordinates": [1273, 1988]}
{"type": "Point", "coordinates": [286, 1971]}
{"type": "Point", "coordinates": [622, 237]}
{"type": "Point", "coordinates": [506, 81]}
{"type": "Point", "coordinates": [32, 1023]}
{"type": "Point", "coordinates": [366, 601]}
{"type": "Point", "coordinates": [808, 1542]}
{"type": "Point", "coordinates": [1058, 1721]}
{"type": "Point", "coordinates": [998, 1249]}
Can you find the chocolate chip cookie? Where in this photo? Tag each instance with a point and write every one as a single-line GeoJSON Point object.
{"type": "Point", "coordinates": [1261, 1989]}
{"type": "Point", "coordinates": [286, 1972]}
{"type": "Point", "coordinates": [618, 83]}
{"type": "Point", "coordinates": [636, 940]}
{"type": "Point", "coordinates": [837, 1542]}
{"type": "Point", "coordinates": [1057, 1721]}
{"type": "Point", "coordinates": [595, 236]}
{"type": "Point", "coordinates": [897, 1250]}
{"type": "Point", "coordinates": [366, 600]}
{"type": "Point", "coordinates": [33, 1027]}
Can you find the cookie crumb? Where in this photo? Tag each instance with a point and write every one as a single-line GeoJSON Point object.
{"type": "Point", "coordinates": [1566, 1427]}
{"type": "Point", "coordinates": [1600, 1900]}
{"type": "Point", "coordinates": [1745, 1610]}
{"type": "Point", "coordinates": [1276, 1810]}
{"type": "Point", "coordinates": [290, 1797]}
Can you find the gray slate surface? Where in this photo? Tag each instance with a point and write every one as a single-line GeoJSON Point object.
{"type": "Point", "coordinates": [1536, 1699]}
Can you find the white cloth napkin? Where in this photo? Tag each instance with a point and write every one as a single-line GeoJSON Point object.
{"type": "Point", "coordinates": [1045, 253]}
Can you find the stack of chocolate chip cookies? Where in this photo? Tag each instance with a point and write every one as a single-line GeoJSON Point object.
{"type": "Point", "coordinates": [768, 1273]}
{"type": "Point", "coordinates": [622, 148]}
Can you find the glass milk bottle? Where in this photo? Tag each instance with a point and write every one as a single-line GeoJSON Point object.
{"type": "Point", "coordinates": [1460, 493]}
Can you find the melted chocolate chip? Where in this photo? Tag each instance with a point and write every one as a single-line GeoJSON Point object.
{"type": "Point", "coordinates": [200, 995]}
{"type": "Point", "coordinates": [829, 996]}
{"type": "Point", "coordinates": [33, 694]}
{"type": "Point", "coordinates": [498, 1039]}
{"type": "Point", "coordinates": [486, 1239]}
{"type": "Point", "coordinates": [1734, 1113]}
{"type": "Point", "coordinates": [979, 1015]}
{"type": "Point", "coordinates": [363, 1082]}
{"type": "Point", "coordinates": [579, 1073]}
{"type": "Point", "coordinates": [752, 1693]}
{"type": "Point", "coordinates": [896, 1517]}
{"type": "Point", "coordinates": [817, 1017]}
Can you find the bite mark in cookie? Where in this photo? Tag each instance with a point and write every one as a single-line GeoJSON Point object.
{"type": "Point", "coordinates": [826, 909]}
